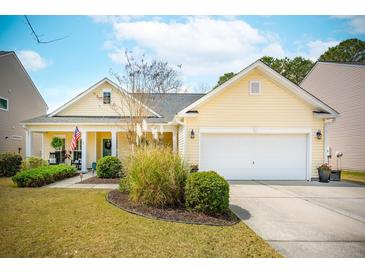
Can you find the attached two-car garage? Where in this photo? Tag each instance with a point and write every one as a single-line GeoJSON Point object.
{"type": "Point", "coordinates": [240, 156]}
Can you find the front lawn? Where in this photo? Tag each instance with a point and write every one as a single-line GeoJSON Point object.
{"type": "Point", "coordinates": [353, 176]}
{"type": "Point", "coordinates": [80, 223]}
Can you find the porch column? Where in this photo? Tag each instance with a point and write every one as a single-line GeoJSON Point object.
{"type": "Point", "coordinates": [28, 143]}
{"type": "Point", "coordinates": [174, 140]}
{"type": "Point", "coordinates": [84, 151]}
{"type": "Point", "coordinates": [114, 143]}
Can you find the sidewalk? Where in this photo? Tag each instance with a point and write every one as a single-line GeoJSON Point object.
{"type": "Point", "coordinates": [73, 183]}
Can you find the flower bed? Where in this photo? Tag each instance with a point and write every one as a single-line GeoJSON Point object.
{"type": "Point", "coordinates": [177, 214]}
{"type": "Point", "coordinates": [44, 175]}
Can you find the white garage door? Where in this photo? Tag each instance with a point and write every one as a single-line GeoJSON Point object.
{"type": "Point", "coordinates": [255, 156]}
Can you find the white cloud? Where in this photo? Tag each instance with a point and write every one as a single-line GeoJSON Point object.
{"type": "Point", "coordinates": [356, 23]}
{"type": "Point", "coordinates": [31, 60]}
{"type": "Point", "coordinates": [203, 45]}
{"type": "Point", "coordinates": [317, 47]}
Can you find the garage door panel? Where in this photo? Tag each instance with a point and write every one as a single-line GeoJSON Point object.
{"type": "Point", "coordinates": [253, 156]}
{"type": "Point", "coordinates": [226, 155]}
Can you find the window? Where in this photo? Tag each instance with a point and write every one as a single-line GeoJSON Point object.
{"type": "Point", "coordinates": [77, 152]}
{"type": "Point", "coordinates": [4, 104]}
{"type": "Point", "coordinates": [255, 87]}
{"type": "Point", "coordinates": [106, 97]}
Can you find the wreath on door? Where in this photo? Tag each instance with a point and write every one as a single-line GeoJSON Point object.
{"type": "Point", "coordinates": [107, 144]}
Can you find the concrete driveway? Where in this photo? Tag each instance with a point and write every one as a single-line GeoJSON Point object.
{"type": "Point", "coordinates": [302, 219]}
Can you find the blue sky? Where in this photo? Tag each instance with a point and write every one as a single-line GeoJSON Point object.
{"type": "Point", "coordinates": [205, 46]}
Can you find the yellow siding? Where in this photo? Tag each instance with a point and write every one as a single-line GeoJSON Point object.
{"type": "Point", "coordinates": [274, 107]}
{"type": "Point", "coordinates": [92, 104]}
{"type": "Point", "coordinates": [181, 141]}
{"type": "Point", "coordinates": [125, 149]}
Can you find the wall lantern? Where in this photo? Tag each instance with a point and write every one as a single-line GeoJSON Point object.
{"type": "Point", "coordinates": [319, 134]}
{"type": "Point", "coordinates": [192, 134]}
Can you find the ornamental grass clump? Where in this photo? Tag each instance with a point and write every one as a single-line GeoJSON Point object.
{"type": "Point", "coordinates": [156, 177]}
{"type": "Point", "coordinates": [33, 162]}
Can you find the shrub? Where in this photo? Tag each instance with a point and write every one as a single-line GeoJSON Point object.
{"type": "Point", "coordinates": [109, 167]}
{"type": "Point", "coordinates": [10, 164]}
{"type": "Point", "coordinates": [156, 177]}
{"type": "Point", "coordinates": [44, 175]}
{"type": "Point", "coordinates": [33, 162]}
{"type": "Point", "coordinates": [207, 192]}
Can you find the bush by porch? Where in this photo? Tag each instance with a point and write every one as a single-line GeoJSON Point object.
{"type": "Point", "coordinates": [44, 175]}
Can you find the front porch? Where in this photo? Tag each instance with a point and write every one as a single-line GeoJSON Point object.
{"type": "Point", "coordinates": [95, 142]}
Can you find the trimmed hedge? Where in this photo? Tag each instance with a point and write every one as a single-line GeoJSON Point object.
{"type": "Point", "coordinates": [10, 164]}
{"type": "Point", "coordinates": [109, 167]}
{"type": "Point", "coordinates": [207, 192]}
{"type": "Point", "coordinates": [44, 175]}
{"type": "Point", "coordinates": [155, 177]}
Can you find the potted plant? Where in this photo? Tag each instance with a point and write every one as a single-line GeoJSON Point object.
{"type": "Point", "coordinates": [336, 174]}
{"type": "Point", "coordinates": [324, 173]}
{"type": "Point", "coordinates": [57, 144]}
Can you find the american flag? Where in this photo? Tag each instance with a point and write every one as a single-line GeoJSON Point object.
{"type": "Point", "coordinates": [75, 138]}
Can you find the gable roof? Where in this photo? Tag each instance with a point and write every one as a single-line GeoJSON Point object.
{"type": "Point", "coordinates": [297, 90]}
{"type": "Point", "coordinates": [90, 89]}
{"type": "Point", "coordinates": [4, 53]}
{"type": "Point", "coordinates": [168, 106]}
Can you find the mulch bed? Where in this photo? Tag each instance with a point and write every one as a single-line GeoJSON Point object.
{"type": "Point", "coordinates": [97, 180]}
{"type": "Point", "coordinates": [179, 215]}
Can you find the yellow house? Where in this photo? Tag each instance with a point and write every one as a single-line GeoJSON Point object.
{"type": "Point", "coordinates": [258, 125]}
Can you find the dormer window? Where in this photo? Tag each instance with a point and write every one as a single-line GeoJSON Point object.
{"type": "Point", "coordinates": [255, 87]}
{"type": "Point", "coordinates": [107, 97]}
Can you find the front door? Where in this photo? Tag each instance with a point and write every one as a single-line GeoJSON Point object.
{"type": "Point", "coordinates": [107, 147]}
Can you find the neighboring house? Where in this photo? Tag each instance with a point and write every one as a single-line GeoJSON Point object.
{"type": "Point", "coordinates": [258, 125]}
{"type": "Point", "coordinates": [342, 85]}
{"type": "Point", "coordinates": [19, 100]}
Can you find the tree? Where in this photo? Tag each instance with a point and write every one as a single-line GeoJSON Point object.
{"type": "Point", "coordinates": [202, 88]}
{"type": "Point", "coordinates": [143, 83]}
{"type": "Point", "coordinates": [225, 77]}
{"type": "Point", "coordinates": [293, 69]}
{"type": "Point", "coordinates": [351, 50]}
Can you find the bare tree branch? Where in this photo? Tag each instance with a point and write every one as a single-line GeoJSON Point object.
{"type": "Point", "coordinates": [144, 84]}
{"type": "Point", "coordinates": [36, 36]}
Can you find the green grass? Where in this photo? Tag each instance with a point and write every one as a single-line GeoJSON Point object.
{"type": "Point", "coordinates": [353, 176]}
{"type": "Point", "coordinates": [48, 222]}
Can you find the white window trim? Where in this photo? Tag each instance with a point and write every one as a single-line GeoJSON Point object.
{"type": "Point", "coordinates": [7, 103]}
{"type": "Point", "coordinates": [110, 91]}
{"type": "Point", "coordinates": [250, 85]}
{"type": "Point", "coordinates": [78, 146]}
